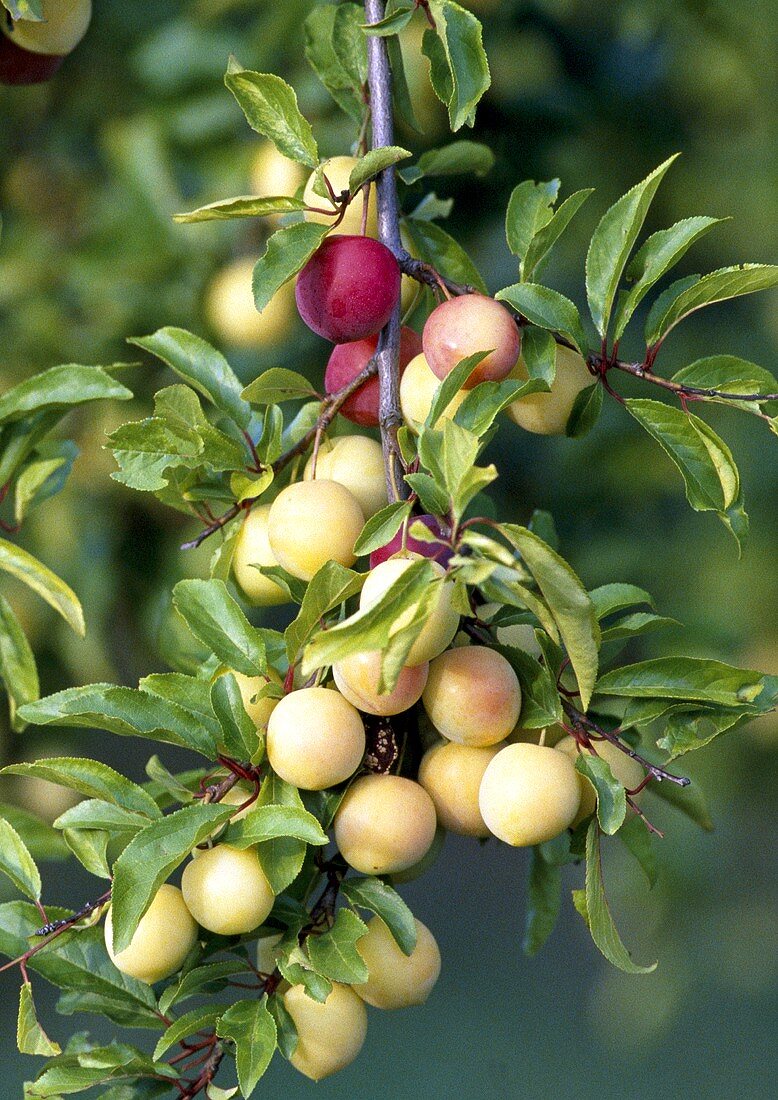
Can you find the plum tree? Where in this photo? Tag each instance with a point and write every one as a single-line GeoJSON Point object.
{"type": "Point", "coordinates": [252, 547]}
{"type": "Point", "coordinates": [451, 775]}
{"type": "Point", "coordinates": [529, 794]}
{"type": "Point", "coordinates": [417, 389]}
{"type": "Point", "coordinates": [626, 770]}
{"type": "Point", "coordinates": [226, 891]}
{"type": "Point", "coordinates": [405, 543]}
{"type": "Point", "coordinates": [442, 624]}
{"type": "Point", "coordinates": [472, 695]}
{"type": "Point", "coordinates": [337, 170]}
{"type": "Point", "coordinates": [462, 326]}
{"type": "Point", "coordinates": [315, 738]}
{"type": "Point", "coordinates": [330, 1034]}
{"type": "Point", "coordinates": [357, 462]}
{"type": "Point", "coordinates": [397, 980]}
{"type": "Point", "coordinates": [166, 934]}
{"type": "Point", "coordinates": [548, 413]}
{"type": "Point", "coordinates": [312, 522]}
{"type": "Point", "coordinates": [348, 289]}
{"type": "Point", "coordinates": [231, 313]}
{"type": "Point", "coordinates": [348, 360]}
{"type": "Point", "coordinates": [385, 823]}
{"type": "Point", "coordinates": [357, 678]}
{"type": "Point", "coordinates": [32, 50]}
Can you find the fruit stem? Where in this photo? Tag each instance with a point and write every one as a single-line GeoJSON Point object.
{"type": "Point", "coordinates": [379, 78]}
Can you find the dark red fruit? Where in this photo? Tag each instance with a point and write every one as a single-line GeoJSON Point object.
{"type": "Point", "coordinates": [437, 551]}
{"type": "Point", "coordinates": [345, 363]}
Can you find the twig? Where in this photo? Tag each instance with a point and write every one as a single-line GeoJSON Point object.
{"type": "Point", "coordinates": [55, 929]}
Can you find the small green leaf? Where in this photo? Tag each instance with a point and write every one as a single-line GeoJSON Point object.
{"type": "Point", "coordinates": [17, 863]}
{"type": "Point", "coordinates": [276, 385]}
{"type": "Point", "coordinates": [373, 163]}
{"type": "Point", "coordinates": [37, 576]}
{"type": "Point", "coordinates": [242, 206]}
{"type": "Point", "coordinates": [335, 953]}
{"type": "Point", "coordinates": [90, 778]}
{"type": "Point", "coordinates": [459, 69]}
{"type": "Point", "coordinates": [263, 823]}
{"type": "Point", "coordinates": [253, 1031]}
{"type": "Point", "coordinates": [452, 384]}
{"type": "Point", "coordinates": [94, 813]}
{"type": "Point", "coordinates": [433, 245]}
{"type": "Point", "coordinates": [599, 917]}
{"type": "Point", "coordinates": [189, 1024]}
{"type": "Point", "coordinates": [585, 411]}
{"type": "Point", "coordinates": [270, 107]}
{"type": "Point", "coordinates": [281, 857]}
{"type": "Point", "coordinates": [688, 678]}
{"type": "Point", "coordinates": [386, 903]}
{"type": "Point", "coordinates": [611, 796]}
{"type": "Point", "coordinates": [58, 389]}
{"type": "Point", "coordinates": [382, 527]}
{"type": "Point", "coordinates": [457, 158]}
{"type": "Point", "coordinates": [538, 350]}
{"type": "Point", "coordinates": [530, 209]}
{"type": "Point", "coordinates": [544, 896]}
{"type": "Point", "coordinates": [546, 308]}
{"type": "Point", "coordinates": [545, 238]}
{"type": "Point", "coordinates": [217, 620]}
{"type": "Point", "coordinates": [240, 736]}
{"type": "Point", "coordinates": [609, 598]}
{"type": "Point", "coordinates": [287, 251]}
{"type": "Point", "coordinates": [30, 1036]}
{"type": "Point", "coordinates": [331, 585]}
{"type": "Point", "coordinates": [44, 477]}
{"type": "Point", "coordinates": [320, 37]}
{"type": "Point", "coordinates": [393, 23]}
{"type": "Point", "coordinates": [17, 664]}
{"type": "Point", "coordinates": [540, 705]}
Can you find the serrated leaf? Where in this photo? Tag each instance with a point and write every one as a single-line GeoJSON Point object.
{"type": "Point", "coordinates": [94, 813]}
{"type": "Point", "coordinates": [271, 822]}
{"type": "Point", "coordinates": [287, 251]}
{"type": "Point", "coordinates": [188, 1024]}
{"type": "Point", "coordinates": [217, 620]}
{"type": "Point", "coordinates": [689, 678]}
{"type": "Point", "coordinates": [151, 856]}
{"type": "Point", "coordinates": [718, 286]}
{"type": "Point", "coordinates": [276, 385]}
{"type": "Point", "coordinates": [90, 847]}
{"type": "Point", "coordinates": [544, 896]}
{"type": "Point", "coordinates": [242, 206]}
{"type": "Point", "coordinates": [547, 309]}
{"type": "Point", "coordinates": [146, 449]}
{"type": "Point", "coordinates": [585, 411]}
{"type": "Point", "coordinates": [382, 527]}
{"type": "Point", "coordinates": [58, 389]}
{"type": "Point", "coordinates": [30, 1036]}
{"type": "Point", "coordinates": [17, 863]}
{"type": "Point", "coordinates": [640, 622]}
{"type": "Point", "coordinates": [639, 842]}
{"type": "Point", "coordinates": [545, 238]}
{"type": "Point", "coordinates": [335, 953]}
{"type": "Point", "coordinates": [331, 585]}
{"type": "Point", "coordinates": [270, 107]}
{"type": "Point", "coordinates": [612, 242]}
{"type": "Point", "coordinates": [611, 796]}
{"type": "Point", "coordinates": [37, 576]}
{"type": "Point", "coordinates": [374, 895]}
{"type": "Point", "coordinates": [599, 917]}
{"type": "Point", "coordinates": [530, 208]}
{"type": "Point", "coordinates": [240, 737]}
{"type": "Point", "coordinates": [211, 977]}
{"type": "Point", "coordinates": [456, 158]}
{"type": "Point", "coordinates": [320, 51]}
{"type": "Point", "coordinates": [609, 598]}
{"type": "Point", "coordinates": [253, 1031]}
{"type": "Point", "coordinates": [731, 375]}
{"type": "Point", "coordinates": [433, 245]}
{"type": "Point", "coordinates": [281, 858]}
{"type": "Point", "coordinates": [17, 664]}
{"type": "Point", "coordinates": [459, 68]}
{"type": "Point", "coordinates": [373, 163]}
{"type": "Point", "coordinates": [90, 778]}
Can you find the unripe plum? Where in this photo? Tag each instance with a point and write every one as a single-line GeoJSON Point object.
{"type": "Point", "coordinates": [348, 360]}
{"type": "Point", "coordinates": [472, 696]}
{"type": "Point", "coordinates": [384, 824]}
{"type": "Point", "coordinates": [548, 413]}
{"type": "Point", "coordinates": [357, 679]}
{"type": "Point", "coordinates": [348, 289]}
{"type": "Point", "coordinates": [329, 1035]}
{"type": "Point", "coordinates": [357, 462]}
{"type": "Point", "coordinates": [451, 774]}
{"type": "Point", "coordinates": [231, 312]}
{"type": "Point", "coordinates": [166, 934]}
{"type": "Point", "coordinates": [417, 389]}
{"type": "Point", "coordinates": [272, 173]}
{"type": "Point", "coordinates": [626, 770]}
{"type": "Point", "coordinates": [226, 891]}
{"type": "Point", "coordinates": [338, 170]}
{"type": "Point", "coordinates": [529, 794]}
{"type": "Point", "coordinates": [313, 522]}
{"type": "Point", "coordinates": [252, 547]}
{"type": "Point", "coordinates": [443, 621]}
{"type": "Point", "coordinates": [315, 738]}
{"type": "Point", "coordinates": [397, 980]}
{"type": "Point", "coordinates": [470, 323]}
{"type": "Point", "coordinates": [438, 551]}
{"type": "Point", "coordinates": [31, 51]}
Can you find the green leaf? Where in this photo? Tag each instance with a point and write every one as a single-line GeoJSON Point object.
{"type": "Point", "coordinates": [331, 585]}
{"type": "Point", "coordinates": [545, 238]}
{"type": "Point", "coordinates": [211, 977]}
{"type": "Point", "coordinates": [263, 823]}
{"type": "Point", "coordinates": [540, 705]}
{"type": "Point", "coordinates": [546, 308]}
{"type": "Point", "coordinates": [281, 857]}
{"type": "Point", "coordinates": [276, 385]}
{"type": "Point", "coordinates": [530, 208]}
{"type": "Point", "coordinates": [151, 856]}
{"type": "Point", "coordinates": [202, 367]}
{"type": "Point", "coordinates": [253, 1031]}
{"type": "Point", "coordinates": [71, 1073]}
{"type": "Point", "coordinates": [17, 664]}
{"type": "Point", "coordinates": [240, 736]}
{"type": "Point", "coordinates": [612, 242]}
{"type": "Point", "coordinates": [94, 813]}
{"type": "Point", "coordinates": [544, 896]}
{"type": "Point", "coordinates": [43, 477]}
{"type": "Point", "coordinates": [731, 375]}
{"type": "Point", "coordinates": [189, 1024]}
{"type": "Point", "coordinates": [90, 847]}
{"type": "Point", "coordinates": [393, 23]}
{"type": "Point", "coordinates": [37, 576]}
{"type": "Point", "coordinates": [611, 796]}
{"type": "Point", "coordinates": [25, 9]}
{"type": "Point", "coordinates": [538, 350]}
{"type": "Point", "coordinates": [350, 43]}
{"type": "Point", "coordinates": [217, 620]}
{"type": "Point", "coordinates": [709, 472]}
{"type": "Point", "coordinates": [30, 1036]}
{"type": "Point", "coordinates": [42, 841]}
{"type": "Point", "coordinates": [654, 259]}
{"type": "Point", "coordinates": [126, 712]}
{"type": "Point", "coordinates": [270, 107]}
{"type": "Point", "coordinates": [609, 598]}
{"type": "Point", "coordinates": [640, 622]}
{"type": "Point", "coordinates": [386, 903]}
{"type": "Point", "coordinates": [335, 954]}
{"type": "Point", "coordinates": [485, 402]}
{"type": "Point", "coordinates": [688, 728]}
{"type": "Point", "coordinates": [287, 251]}
{"type": "Point", "coordinates": [146, 449]}
{"type": "Point", "coordinates": [91, 779]}
{"type": "Point", "coordinates": [639, 842]}
{"type": "Point", "coordinates": [718, 286]}
{"type": "Point", "coordinates": [568, 602]}
{"type": "Point", "coordinates": [242, 206]}
{"type": "Point", "coordinates": [599, 917]}
{"type": "Point", "coordinates": [459, 69]}
{"type": "Point", "coordinates": [320, 36]}
{"type": "Point", "coordinates": [452, 384]}
{"type": "Point", "coordinates": [17, 863]}
{"type": "Point", "coordinates": [59, 389]}
{"type": "Point", "coordinates": [585, 411]}
{"type": "Point", "coordinates": [688, 678]}
{"type": "Point", "coordinates": [382, 527]}
{"type": "Point", "coordinates": [433, 245]}
{"type": "Point", "coordinates": [373, 163]}
{"type": "Point", "coordinates": [457, 158]}
{"type": "Point", "coordinates": [689, 800]}
{"type": "Point", "coordinates": [401, 93]}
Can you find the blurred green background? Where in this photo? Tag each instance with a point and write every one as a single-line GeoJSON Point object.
{"type": "Point", "coordinates": [138, 125]}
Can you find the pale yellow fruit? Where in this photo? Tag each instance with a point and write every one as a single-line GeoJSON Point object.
{"type": "Point", "coordinates": [329, 1035]}
{"type": "Point", "coordinates": [451, 775]}
{"type": "Point", "coordinates": [252, 547]}
{"type": "Point", "coordinates": [232, 314]}
{"type": "Point", "coordinates": [65, 23]}
{"type": "Point", "coordinates": [626, 770]}
{"type": "Point", "coordinates": [166, 934]}
{"type": "Point", "coordinates": [313, 522]}
{"type": "Point", "coordinates": [472, 696]}
{"type": "Point", "coordinates": [315, 738]}
{"type": "Point", "coordinates": [529, 794]}
{"type": "Point", "coordinates": [273, 174]}
{"type": "Point", "coordinates": [384, 824]}
{"type": "Point", "coordinates": [338, 170]}
{"type": "Point", "coordinates": [357, 462]}
{"type": "Point", "coordinates": [226, 891]}
{"type": "Point", "coordinates": [416, 870]}
{"type": "Point", "coordinates": [548, 413]}
{"type": "Point", "coordinates": [258, 709]}
{"type": "Point", "coordinates": [357, 677]}
{"type": "Point", "coordinates": [397, 980]}
{"type": "Point", "coordinates": [443, 620]}
{"type": "Point", "coordinates": [417, 389]}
